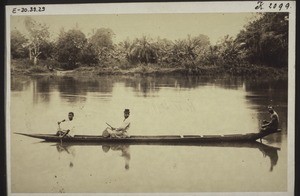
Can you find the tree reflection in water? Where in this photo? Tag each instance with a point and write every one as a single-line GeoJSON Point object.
{"type": "Point", "coordinates": [261, 92]}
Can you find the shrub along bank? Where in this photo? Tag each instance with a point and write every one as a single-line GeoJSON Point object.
{"type": "Point", "coordinates": [23, 67]}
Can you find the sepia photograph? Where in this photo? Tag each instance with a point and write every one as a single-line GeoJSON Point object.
{"type": "Point", "coordinates": [151, 98]}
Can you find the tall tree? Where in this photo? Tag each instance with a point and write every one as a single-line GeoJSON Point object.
{"type": "Point", "coordinates": [18, 44]}
{"type": "Point", "coordinates": [143, 50]}
{"type": "Point", "coordinates": [228, 51]}
{"type": "Point", "coordinates": [164, 50]}
{"type": "Point", "coordinates": [89, 55]}
{"type": "Point", "coordinates": [102, 42]}
{"type": "Point", "coordinates": [38, 36]}
{"type": "Point", "coordinates": [191, 50]}
{"type": "Point", "coordinates": [69, 47]}
{"type": "Point", "coordinates": [265, 40]}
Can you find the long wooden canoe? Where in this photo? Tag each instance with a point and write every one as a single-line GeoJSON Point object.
{"type": "Point", "coordinates": [154, 139]}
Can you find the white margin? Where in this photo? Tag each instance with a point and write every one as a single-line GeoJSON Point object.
{"type": "Point", "coordinates": [178, 7]}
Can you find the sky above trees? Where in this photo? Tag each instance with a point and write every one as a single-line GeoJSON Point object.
{"type": "Point", "coordinates": [170, 26]}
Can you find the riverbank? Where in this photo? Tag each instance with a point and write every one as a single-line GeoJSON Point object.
{"type": "Point", "coordinates": [21, 68]}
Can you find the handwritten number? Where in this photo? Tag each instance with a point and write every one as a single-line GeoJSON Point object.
{"type": "Point", "coordinates": [280, 6]}
{"type": "Point", "coordinates": [287, 5]}
{"type": "Point", "coordinates": [272, 6]}
{"type": "Point", "coordinates": [41, 9]}
{"type": "Point", "coordinates": [28, 9]}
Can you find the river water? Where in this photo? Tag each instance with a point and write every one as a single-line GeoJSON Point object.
{"type": "Point", "coordinates": [172, 105]}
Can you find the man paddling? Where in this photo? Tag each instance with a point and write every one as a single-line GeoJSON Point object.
{"type": "Point", "coordinates": [271, 125]}
{"type": "Point", "coordinates": [120, 131]}
{"type": "Point", "coordinates": [66, 128]}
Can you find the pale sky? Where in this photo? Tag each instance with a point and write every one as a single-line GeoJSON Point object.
{"type": "Point", "coordinates": [170, 26]}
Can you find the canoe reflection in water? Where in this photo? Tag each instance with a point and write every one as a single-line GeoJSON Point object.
{"type": "Point", "coordinates": [124, 150]}
{"type": "Point", "coordinates": [68, 149]}
{"type": "Point", "coordinates": [271, 152]}
{"type": "Point", "coordinates": [267, 151]}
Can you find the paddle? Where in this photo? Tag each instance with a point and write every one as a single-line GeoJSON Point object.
{"type": "Point", "coordinates": [64, 134]}
{"type": "Point", "coordinates": [61, 121]}
{"type": "Point", "coordinates": [110, 126]}
{"type": "Point", "coordinates": [106, 132]}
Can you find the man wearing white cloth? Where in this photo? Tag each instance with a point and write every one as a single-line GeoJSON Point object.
{"type": "Point", "coordinates": [121, 131]}
{"type": "Point", "coordinates": [66, 128]}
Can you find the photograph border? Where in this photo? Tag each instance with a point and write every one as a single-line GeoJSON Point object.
{"type": "Point", "coordinates": [3, 160]}
{"type": "Point", "coordinates": [206, 7]}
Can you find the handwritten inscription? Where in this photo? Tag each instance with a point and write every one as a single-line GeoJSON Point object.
{"type": "Point", "coordinates": [28, 9]}
{"type": "Point", "coordinates": [272, 6]}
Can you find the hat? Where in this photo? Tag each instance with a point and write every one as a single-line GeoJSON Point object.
{"type": "Point", "coordinates": [126, 111]}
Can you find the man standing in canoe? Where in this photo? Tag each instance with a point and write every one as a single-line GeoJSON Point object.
{"type": "Point", "coordinates": [120, 131]}
{"type": "Point", "coordinates": [271, 125]}
{"type": "Point", "coordinates": [66, 128]}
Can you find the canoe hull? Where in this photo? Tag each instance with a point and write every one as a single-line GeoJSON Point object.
{"type": "Point", "coordinates": [153, 139]}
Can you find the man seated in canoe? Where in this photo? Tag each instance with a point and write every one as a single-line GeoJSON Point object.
{"type": "Point", "coordinates": [66, 128]}
{"type": "Point", "coordinates": [121, 131]}
{"type": "Point", "coordinates": [271, 125]}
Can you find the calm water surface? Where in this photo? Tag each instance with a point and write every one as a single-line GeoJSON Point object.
{"type": "Point", "coordinates": [159, 105]}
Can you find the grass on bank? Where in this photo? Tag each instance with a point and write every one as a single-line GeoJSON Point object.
{"type": "Point", "coordinates": [25, 67]}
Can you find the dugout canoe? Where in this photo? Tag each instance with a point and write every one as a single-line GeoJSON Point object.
{"type": "Point", "coordinates": [182, 139]}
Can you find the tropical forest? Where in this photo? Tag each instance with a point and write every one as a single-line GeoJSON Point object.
{"type": "Point", "coordinates": [260, 48]}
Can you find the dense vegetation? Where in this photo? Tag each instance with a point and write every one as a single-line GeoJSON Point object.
{"type": "Point", "coordinates": [263, 42]}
